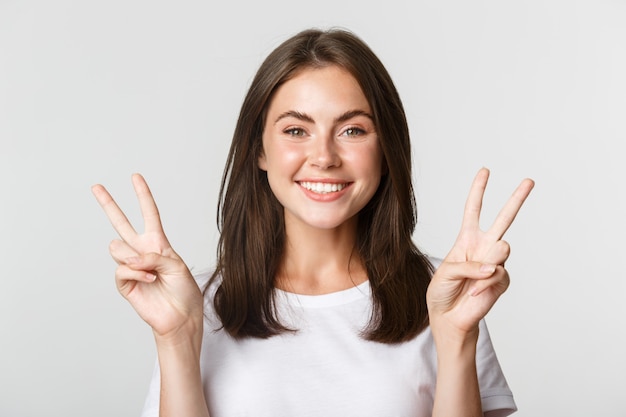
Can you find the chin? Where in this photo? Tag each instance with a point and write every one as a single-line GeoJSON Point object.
{"type": "Point", "coordinates": [327, 223]}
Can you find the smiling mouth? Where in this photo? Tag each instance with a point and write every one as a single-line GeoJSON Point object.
{"type": "Point", "coordinates": [323, 187]}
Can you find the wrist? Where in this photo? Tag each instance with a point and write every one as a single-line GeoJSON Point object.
{"type": "Point", "coordinates": [452, 340]}
{"type": "Point", "coordinates": [187, 338]}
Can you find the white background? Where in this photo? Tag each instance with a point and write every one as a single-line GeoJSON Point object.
{"type": "Point", "coordinates": [94, 91]}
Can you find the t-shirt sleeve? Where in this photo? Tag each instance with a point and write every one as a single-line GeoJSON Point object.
{"type": "Point", "coordinates": [151, 404]}
{"type": "Point", "coordinates": [497, 398]}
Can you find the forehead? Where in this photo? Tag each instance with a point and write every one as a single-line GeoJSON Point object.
{"type": "Point", "coordinates": [330, 88]}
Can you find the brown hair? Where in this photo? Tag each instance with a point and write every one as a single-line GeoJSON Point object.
{"type": "Point", "coordinates": [251, 220]}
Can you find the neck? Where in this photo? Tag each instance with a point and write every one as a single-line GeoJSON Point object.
{"type": "Point", "coordinates": [320, 261]}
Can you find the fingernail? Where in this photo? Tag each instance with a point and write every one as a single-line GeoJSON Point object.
{"type": "Point", "coordinates": [487, 268]}
{"type": "Point", "coordinates": [473, 291]}
{"type": "Point", "coordinates": [151, 277]}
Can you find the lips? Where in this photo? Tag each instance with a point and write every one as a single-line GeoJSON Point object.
{"type": "Point", "coordinates": [323, 187]}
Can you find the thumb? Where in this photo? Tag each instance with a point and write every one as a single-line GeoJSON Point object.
{"type": "Point", "coordinates": [163, 265]}
{"type": "Point", "coordinates": [465, 270]}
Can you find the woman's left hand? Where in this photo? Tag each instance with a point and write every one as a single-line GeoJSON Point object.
{"type": "Point", "coordinates": [472, 276]}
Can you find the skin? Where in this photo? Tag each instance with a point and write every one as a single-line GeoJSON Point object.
{"type": "Point", "coordinates": [466, 285]}
{"type": "Point", "coordinates": [159, 286]}
{"type": "Point", "coordinates": [319, 130]}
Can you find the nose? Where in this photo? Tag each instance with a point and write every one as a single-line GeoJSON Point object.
{"type": "Point", "coordinates": [324, 153]}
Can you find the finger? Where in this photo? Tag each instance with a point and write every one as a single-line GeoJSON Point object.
{"type": "Point", "coordinates": [466, 270]}
{"type": "Point", "coordinates": [474, 202]}
{"type": "Point", "coordinates": [156, 262]}
{"type": "Point", "coordinates": [149, 210]}
{"type": "Point", "coordinates": [498, 253]}
{"type": "Point", "coordinates": [125, 275]}
{"type": "Point", "coordinates": [506, 216]}
{"type": "Point", "coordinates": [120, 251]}
{"type": "Point", "coordinates": [116, 216]}
{"type": "Point", "coordinates": [499, 281]}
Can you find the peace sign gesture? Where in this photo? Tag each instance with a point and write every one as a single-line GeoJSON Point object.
{"type": "Point", "coordinates": [150, 274]}
{"type": "Point", "coordinates": [472, 276]}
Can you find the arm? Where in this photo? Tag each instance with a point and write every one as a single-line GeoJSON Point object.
{"type": "Point", "coordinates": [181, 384]}
{"type": "Point", "coordinates": [464, 288]}
{"type": "Point", "coordinates": [159, 286]}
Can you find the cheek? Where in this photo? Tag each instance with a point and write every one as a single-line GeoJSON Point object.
{"type": "Point", "coordinates": [282, 158]}
{"type": "Point", "coordinates": [368, 161]}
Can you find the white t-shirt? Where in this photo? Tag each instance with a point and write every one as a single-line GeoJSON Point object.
{"type": "Point", "coordinates": [326, 368]}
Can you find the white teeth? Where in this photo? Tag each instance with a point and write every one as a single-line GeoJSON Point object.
{"type": "Point", "coordinates": [322, 187]}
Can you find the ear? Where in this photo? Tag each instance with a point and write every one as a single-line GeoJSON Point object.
{"type": "Point", "coordinates": [262, 161]}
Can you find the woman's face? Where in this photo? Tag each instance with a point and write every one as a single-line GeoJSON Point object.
{"type": "Point", "coordinates": [320, 148]}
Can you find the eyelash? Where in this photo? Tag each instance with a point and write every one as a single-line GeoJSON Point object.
{"type": "Point", "coordinates": [355, 131]}
{"type": "Point", "coordinates": [295, 132]}
{"type": "Point", "coordinates": [298, 132]}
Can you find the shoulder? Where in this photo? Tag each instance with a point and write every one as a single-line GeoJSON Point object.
{"type": "Point", "coordinates": [203, 277]}
{"type": "Point", "coordinates": [208, 283]}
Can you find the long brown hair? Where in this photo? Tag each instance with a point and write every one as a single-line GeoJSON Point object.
{"type": "Point", "coordinates": [251, 220]}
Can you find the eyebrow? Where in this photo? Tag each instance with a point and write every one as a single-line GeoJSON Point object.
{"type": "Point", "coordinates": [306, 118]}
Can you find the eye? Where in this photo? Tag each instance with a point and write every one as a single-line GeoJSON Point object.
{"type": "Point", "coordinates": [353, 132]}
{"type": "Point", "coordinates": [295, 132]}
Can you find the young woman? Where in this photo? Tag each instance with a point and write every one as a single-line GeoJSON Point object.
{"type": "Point", "coordinates": [320, 304]}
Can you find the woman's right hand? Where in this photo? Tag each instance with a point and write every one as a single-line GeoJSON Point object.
{"type": "Point", "coordinates": [150, 274]}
